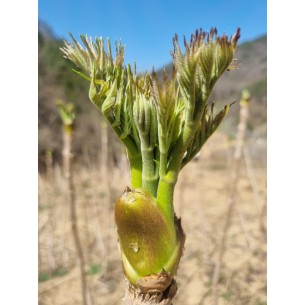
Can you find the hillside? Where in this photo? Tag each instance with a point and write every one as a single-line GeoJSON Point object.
{"type": "Point", "coordinates": [252, 75]}
{"type": "Point", "coordinates": [56, 80]}
{"type": "Point", "coordinates": [252, 72]}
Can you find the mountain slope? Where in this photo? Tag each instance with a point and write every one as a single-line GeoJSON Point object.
{"type": "Point", "coordinates": [57, 81]}
{"type": "Point", "coordinates": [252, 57]}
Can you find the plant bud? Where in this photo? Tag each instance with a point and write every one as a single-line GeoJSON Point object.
{"type": "Point", "coordinates": [149, 243]}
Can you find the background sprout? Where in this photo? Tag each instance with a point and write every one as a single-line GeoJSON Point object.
{"type": "Point", "coordinates": [67, 114]}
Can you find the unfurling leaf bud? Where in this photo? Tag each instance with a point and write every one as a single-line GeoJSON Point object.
{"type": "Point", "coordinates": [149, 243]}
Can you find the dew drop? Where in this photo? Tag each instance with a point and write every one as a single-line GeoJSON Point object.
{"type": "Point", "coordinates": [134, 247]}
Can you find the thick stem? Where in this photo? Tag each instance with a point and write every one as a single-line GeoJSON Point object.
{"type": "Point", "coordinates": [133, 155]}
{"type": "Point", "coordinates": [149, 176]}
{"type": "Point", "coordinates": [180, 148]}
{"type": "Point", "coordinates": [185, 138]}
{"type": "Point", "coordinates": [145, 125]}
{"type": "Point", "coordinates": [135, 162]}
{"type": "Point", "coordinates": [147, 248]}
{"type": "Point", "coordinates": [165, 192]}
{"type": "Point", "coordinates": [165, 197]}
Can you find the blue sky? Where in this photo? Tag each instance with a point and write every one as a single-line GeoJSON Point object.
{"type": "Point", "coordinates": [146, 28]}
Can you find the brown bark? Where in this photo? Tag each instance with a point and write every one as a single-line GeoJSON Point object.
{"type": "Point", "coordinates": [135, 296]}
{"type": "Point", "coordinates": [155, 289]}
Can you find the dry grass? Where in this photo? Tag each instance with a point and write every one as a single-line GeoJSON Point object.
{"type": "Point", "coordinates": [201, 202]}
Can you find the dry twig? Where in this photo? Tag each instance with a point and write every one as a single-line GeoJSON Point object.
{"type": "Point", "coordinates": [67, 114]}
{"type": "Point", "coordinates": [244, 113]}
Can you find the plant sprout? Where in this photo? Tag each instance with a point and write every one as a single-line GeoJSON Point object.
{"type": "Point", "coordinates": [163, 125]}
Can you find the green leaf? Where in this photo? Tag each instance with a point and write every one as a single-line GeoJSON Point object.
{"type": "Point", "coordinates": [82, 75]}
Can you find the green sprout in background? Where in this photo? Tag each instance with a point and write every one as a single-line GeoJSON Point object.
{"type": "Point", "coordinates": [67, 114]}
{"type": "Point", "coordinates": [163, 125]}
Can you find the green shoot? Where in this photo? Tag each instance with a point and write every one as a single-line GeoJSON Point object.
{"type": "Point", "coordinates": [163, 125]}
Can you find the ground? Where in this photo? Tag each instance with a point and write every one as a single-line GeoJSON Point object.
{"type": "Point", "coordinates": [201, 200]}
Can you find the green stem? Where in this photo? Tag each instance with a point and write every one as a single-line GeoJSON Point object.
{"type": "Point", "coordinates": [180, 148]}
{"type": "Point", "coordinates": [187, 135]}
{"type": "Point", "coordinates": [165, 192]}
{"type": "Point", "coordinates": [146, 124]}
{"type": "Point", "coordinates": [149, 176]}
{"type": "Point", "coordinates": [163, 163]}
{"type": "Point", "coordinates": [165, 197]}
{"type": "Point", "coordinates": [163, 148]}
{"type": "Point", "coordinates": [135, 162]}
{"type": "Point", "coordinates": [133, 155]}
